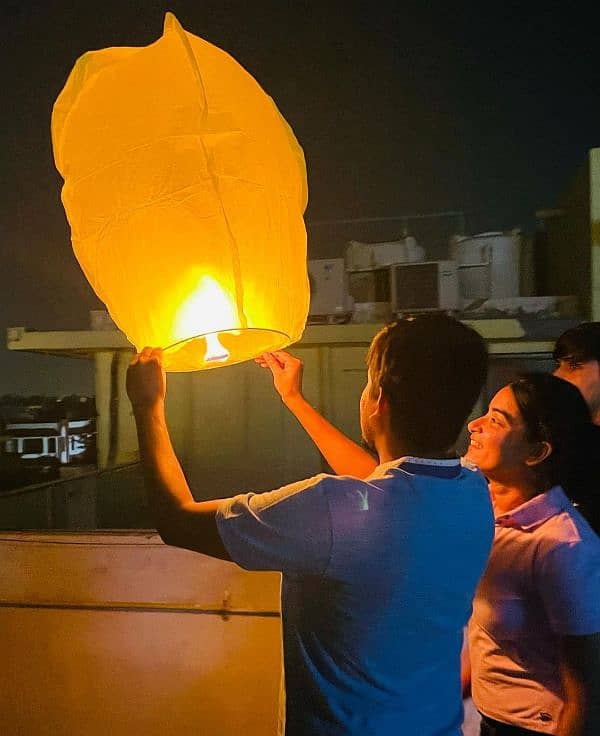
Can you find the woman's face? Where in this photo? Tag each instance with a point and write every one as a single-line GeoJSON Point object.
{"type": "Point", "coordinates": [499, 446]}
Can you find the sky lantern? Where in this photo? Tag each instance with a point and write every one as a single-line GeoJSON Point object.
{"type": "Point", "coordinates": [185, 191]}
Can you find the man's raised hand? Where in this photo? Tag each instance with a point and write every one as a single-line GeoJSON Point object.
{"type": "Point", "coordinates": [287, 373]}
{"type": "Point", "coordinates": [146, 380]}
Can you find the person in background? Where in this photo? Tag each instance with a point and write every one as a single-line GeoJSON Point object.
{"type": "Point", "coordinates": [534, 636]}
{"type": "Point", "coordinates": [577, 352]}
{"type": "Point", "coordinates": [378, 573]}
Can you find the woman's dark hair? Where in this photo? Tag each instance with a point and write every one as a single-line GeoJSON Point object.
{"type": "Point", "coordinates": [554, 411]}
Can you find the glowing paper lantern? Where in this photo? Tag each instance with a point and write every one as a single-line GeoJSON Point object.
{"type": "Point", "coordinates": [185, 190]}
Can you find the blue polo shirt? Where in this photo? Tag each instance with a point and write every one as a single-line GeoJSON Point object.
{"type": "Point", "coordinates": [378, 579]}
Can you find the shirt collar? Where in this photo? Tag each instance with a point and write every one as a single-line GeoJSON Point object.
{"type": "Point", "coordinates": [533, 513]}
{"type": "Point", "coordinates": [442, 468]}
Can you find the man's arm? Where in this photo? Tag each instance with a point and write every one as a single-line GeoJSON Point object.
{"type": "Point", "coordinates": [580, 673]}
{"type": "Point", "coordinates": [342, 454]}
{"type": "Point", "coordinates": [180, 520]}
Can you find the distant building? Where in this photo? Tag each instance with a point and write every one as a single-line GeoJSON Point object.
{"type": "Point", "coordinates": [64, 429]}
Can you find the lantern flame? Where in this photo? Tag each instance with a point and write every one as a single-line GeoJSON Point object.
{"type": "Point", "coordinates": [215, 351]}
{"type": "Point", "coordinates": [206, 312]}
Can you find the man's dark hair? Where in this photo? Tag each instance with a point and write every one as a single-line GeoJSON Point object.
{"type": "Point", "coordinates": [431, 369]}
{"type": "Point", "coordinates": [579, 344]}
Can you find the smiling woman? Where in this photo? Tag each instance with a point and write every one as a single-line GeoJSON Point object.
{"type": "Point", "coordinates": [534, 636]}
{"type": "Point", "coordinates": [498, 444]}
{"type": "Point", "coordinates": [537, 434]}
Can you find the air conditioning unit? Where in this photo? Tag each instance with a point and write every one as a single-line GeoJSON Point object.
{"type": "Point", "coordinates": [408, 287]}
{"type": "Point", "coordinates": [423, 287]}
{"type": "Point", "coordinates": [328, 288]}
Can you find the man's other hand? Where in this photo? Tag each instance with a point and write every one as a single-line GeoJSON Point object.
{"type": "Point", "coordinates": [146, 380]}
{"type": "Point", "coordinates": [287, 373]}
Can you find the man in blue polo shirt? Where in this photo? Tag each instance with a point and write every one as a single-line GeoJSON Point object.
{"type": "Point", "coordinates": [379, 567]}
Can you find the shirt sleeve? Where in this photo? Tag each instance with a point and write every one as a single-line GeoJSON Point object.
{"type": "Point", "coordinates": [569, 584]}
{"type": "Point", "coordinates": [286, 530]}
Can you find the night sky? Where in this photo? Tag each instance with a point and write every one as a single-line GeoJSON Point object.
{"type": "Point", "coordinates": [401, 108]}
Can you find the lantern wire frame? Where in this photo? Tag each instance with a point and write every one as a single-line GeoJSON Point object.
{"type": "Point", "coordinates": [273, 340]}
